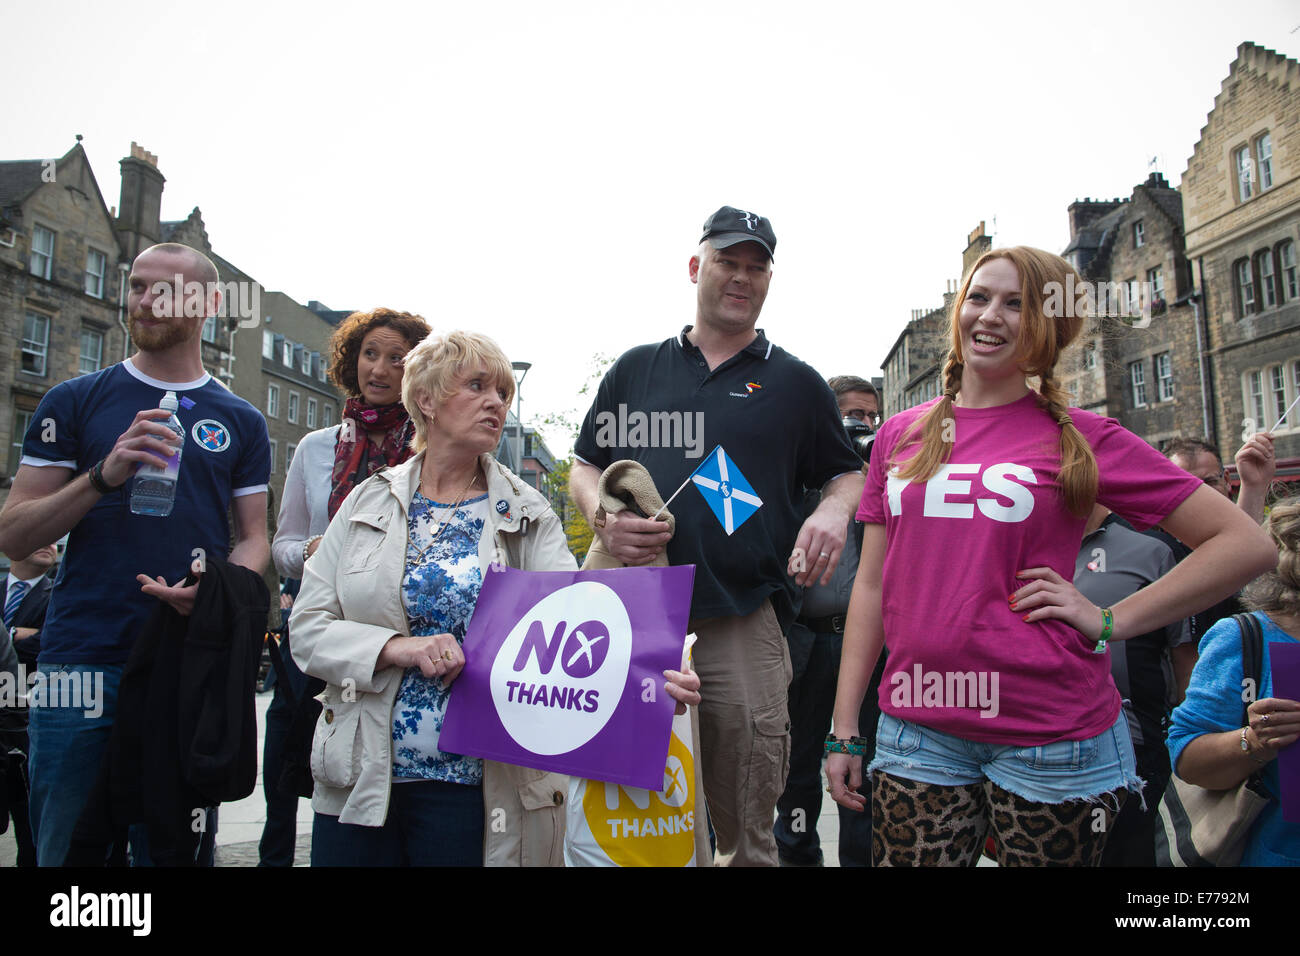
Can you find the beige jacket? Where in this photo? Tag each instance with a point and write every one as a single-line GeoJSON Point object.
{"type": "Point", "coordinates": [351, 604]}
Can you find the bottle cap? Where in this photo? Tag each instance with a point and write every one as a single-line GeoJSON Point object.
{"type": "Point", "coordinates": [169, 402]}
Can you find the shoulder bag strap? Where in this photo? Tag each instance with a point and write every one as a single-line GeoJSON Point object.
{"type": "Point", "coordinates": [1252, 661]}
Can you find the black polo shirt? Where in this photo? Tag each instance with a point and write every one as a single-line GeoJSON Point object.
{"type": "Point", "coordinates": [778, 422]}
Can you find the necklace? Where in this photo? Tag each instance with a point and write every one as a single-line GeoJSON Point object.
{"type": "Point", "coordinates": [448, 513]}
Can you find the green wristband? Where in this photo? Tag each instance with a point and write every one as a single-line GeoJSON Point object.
{"type": "Point", "coordinates": [853, 746]}
{"type": "Point", "coordinates": [1107, 622]}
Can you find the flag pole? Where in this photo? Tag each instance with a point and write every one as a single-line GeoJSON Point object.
{"type": "Point", "coordinates": [673, 495]}
{"type": "Point", "coordinates": [693, 473]}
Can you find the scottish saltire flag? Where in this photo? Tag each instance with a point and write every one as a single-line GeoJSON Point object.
{"type": "Point", "coordinates": [725, 489]}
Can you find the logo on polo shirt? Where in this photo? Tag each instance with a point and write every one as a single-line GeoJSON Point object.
{"type": "Point", "coordinates": [211, 435]}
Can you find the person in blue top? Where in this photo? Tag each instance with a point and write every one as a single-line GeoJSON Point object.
{"type": "Point", "coordinates": [86, 440]}
{"type": "Point", "coordinates": [1207, 745]}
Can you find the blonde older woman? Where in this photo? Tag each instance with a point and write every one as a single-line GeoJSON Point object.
{"type": "Point", "coordinates": [381, 616]}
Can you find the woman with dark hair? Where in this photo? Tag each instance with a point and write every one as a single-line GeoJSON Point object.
{"type": "Point", "coordinates": [1207, 744]}
{"type": "Point", "coordinates": [366, 355]}
{"type": "Point", "coordinates": [367, 352]}
{"type": "Point", "coordinates": [997, 706]}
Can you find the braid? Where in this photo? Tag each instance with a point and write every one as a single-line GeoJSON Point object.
{"type": "Point", "coordinates": [935, 439]}
{"type": "Point", "coordinates": [1078, 464]}
{"type": "Point", "coordinates": [952, 375]}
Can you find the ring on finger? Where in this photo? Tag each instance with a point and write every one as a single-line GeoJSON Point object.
{"type": "Point", "coordinates": [448, 656]}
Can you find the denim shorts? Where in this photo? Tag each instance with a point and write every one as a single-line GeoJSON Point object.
{"type": "Point", "coordinates": [1049, 773]}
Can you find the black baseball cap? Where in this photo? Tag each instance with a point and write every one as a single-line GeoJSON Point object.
{"type": "Point", "coordinates": [730, 226]}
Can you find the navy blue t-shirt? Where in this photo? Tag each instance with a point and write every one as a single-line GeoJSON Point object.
{"type": "Point", "coordinates": [97, 607]}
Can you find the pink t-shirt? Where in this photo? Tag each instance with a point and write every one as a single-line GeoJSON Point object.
{"type": "Point", "coordinates": [960, 660]}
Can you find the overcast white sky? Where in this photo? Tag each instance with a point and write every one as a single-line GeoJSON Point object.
{"type": "Point", "coordinates": [541, 171]}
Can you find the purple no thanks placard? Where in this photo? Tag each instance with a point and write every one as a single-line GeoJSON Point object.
{"type": "Point", "coordinates": [1285, 662]}
{"type": "Point", "coordinates": [564, 672]}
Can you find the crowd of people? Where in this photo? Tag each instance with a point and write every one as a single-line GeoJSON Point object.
{"type": "Point", "coordinates": [1002, 623]}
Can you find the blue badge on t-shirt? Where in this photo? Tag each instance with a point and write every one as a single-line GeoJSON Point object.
{"type": "Point", "coordinates": [211, 435]}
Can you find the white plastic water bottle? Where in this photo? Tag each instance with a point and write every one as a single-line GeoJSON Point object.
{"type": "Point", "coordinates": [154, 489]}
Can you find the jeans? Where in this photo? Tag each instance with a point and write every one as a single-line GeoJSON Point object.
{"type": "Point", "coordinates": [280, 833]}
{"type": "Point", "coordinates": [67, 747]}
{"type": "Point", "coordinates": [815, 661]}
{"type": "Point", "coordinates": [429, 823]}
{"type": "Point", "coordinates": [1049, 773]}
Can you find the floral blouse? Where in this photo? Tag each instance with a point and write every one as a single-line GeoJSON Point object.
{"type": "Point", "coordinates": [439, 590]}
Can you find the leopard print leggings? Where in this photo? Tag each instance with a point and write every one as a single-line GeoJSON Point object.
{"type": "Point", "coordinates": [924, 824]}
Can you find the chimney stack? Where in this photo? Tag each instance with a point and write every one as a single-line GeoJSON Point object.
{"type": "Point", "coordinates": [1085, 212]}
{"type": "Point", "coordinates": [977, 243]}
{"type": "Point", "coordinates": [139, 225]}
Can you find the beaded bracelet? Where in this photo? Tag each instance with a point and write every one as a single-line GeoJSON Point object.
{"type": "Point", "coordinates": [1107, 622]}
{"type": "Point", "coordinates": [853, 746]}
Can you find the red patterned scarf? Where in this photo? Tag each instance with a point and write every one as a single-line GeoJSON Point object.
{"type": "Point", "coordinates": [358, 459]}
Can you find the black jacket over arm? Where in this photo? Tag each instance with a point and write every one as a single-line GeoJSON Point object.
{"type": "Point", "coordinates": [185, 733]}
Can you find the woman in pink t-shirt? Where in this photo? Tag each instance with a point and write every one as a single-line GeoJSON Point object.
{"type": "Point", "coordinates": [997, 708]}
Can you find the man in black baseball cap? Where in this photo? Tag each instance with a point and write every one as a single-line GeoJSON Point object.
{"type": "Point", "coordinates": [778, 423]}
{"type": "Point", "coordinates": [729, 226]}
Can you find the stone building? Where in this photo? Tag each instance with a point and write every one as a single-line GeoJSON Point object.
{"type": "Point", "coordinates": [60, 287]}
{"type": "Point", "coordinates": [914, 362]}
{"type": "Point", "coordinates": [63, 260]}
{"type": "Point", "coordinates": [913, 366]}
{"type": "Point", "coordinates": [1137, 359]}
{"type": "Point", "coordinates": [283, 362]}
{"type": "Point", "coordinates": [1241, 205]}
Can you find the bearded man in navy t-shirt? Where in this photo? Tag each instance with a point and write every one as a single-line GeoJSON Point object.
{"type": "Point", "coordinates": [85, 442]}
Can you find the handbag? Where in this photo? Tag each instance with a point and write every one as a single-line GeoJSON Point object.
{"type": "Point", "coordinates": [1200, 827]}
